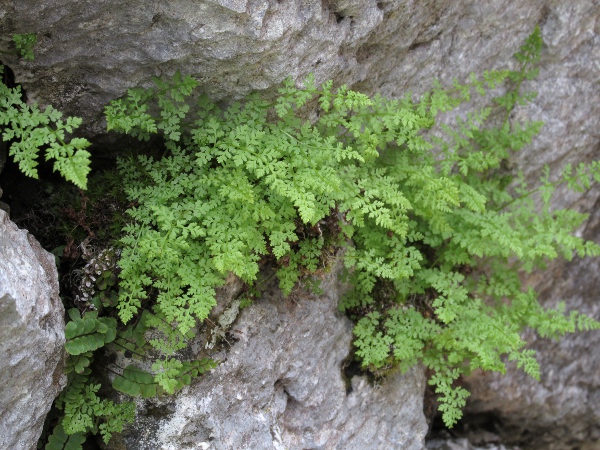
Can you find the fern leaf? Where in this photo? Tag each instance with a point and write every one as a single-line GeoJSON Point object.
{"type": "Point", "coordinates": [134, 382]}
{"type": "Point", "coordinates": [59, 440]}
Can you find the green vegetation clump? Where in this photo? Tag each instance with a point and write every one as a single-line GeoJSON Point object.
{"type": "Point", "coordinates": [28, 129]}
{"type": "Point", "coordinates": [82, 408]}
{"type": "Point", "coordinates": [24, 44]}
{"type": "Point", "coordinates": [433, 233]}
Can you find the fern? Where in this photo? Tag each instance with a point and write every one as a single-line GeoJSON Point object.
{"type": "Point", "coordinates": [153, 335]}
{"type": "Point", "coordinates": [434, 237]}
{"type": "Point", "coordinates": [84, 411]}
{"type": "Point", "coordinates": [59, 440]}
{"type": "Point", "coordinates": [464, 307]}
{"type": "Point", "coordinates": [135, 382]}
{"type": "Point", "coordinates": [24, 44]}
{"type": "Point", "coordinates": [28, 129]}
{"type": "Point", "coordinates": [88, 333]}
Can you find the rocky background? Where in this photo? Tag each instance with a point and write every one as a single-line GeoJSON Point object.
{"type": "Point", "coordinates": [291, 394]}
{"type": "Point", "coordinates": [32, 336]}
{"type": "Point", "coordinates": [282, 385]}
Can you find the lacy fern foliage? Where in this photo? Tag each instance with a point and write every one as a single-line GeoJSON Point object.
{"type": "Point", "coordinates": [434, 236]}
{"type": "Point", "coordinates": [29, 129]}
{"type": "Point", "coordinates": [60, 440]}
{"type": "Point", "coordinates": [24, 44]}
{"type": "Point", "coordinates": [83, 409]}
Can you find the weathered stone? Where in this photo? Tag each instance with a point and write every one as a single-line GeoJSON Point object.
{"type": "Point", "coordinates": [280, 386]}
{"type": "Point", "coordinates": [31, 337]}
{"type": "Point", "coordinates": [463, 444]}
{"type": "Point", "coordinates": [87, 55]}
{"type": "Point", "coordinates": [90, 53]}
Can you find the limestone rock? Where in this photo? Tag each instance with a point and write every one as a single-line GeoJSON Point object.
{"type": "Point", "coordinates": [281, 387]}
{"type": "Point", "coordinates": [31, 336]}
{"type": "Point", "coordinates": [89, 53]}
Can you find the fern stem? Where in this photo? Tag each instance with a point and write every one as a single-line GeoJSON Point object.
{"type": "Point", "coordinates": [127, 349]}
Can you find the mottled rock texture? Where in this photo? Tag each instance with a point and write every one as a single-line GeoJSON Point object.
{"type": "Point", "coordinates": [281, 386]}
{"type": "Point", "coordinates": [92, 51]}
{"type": "Point", "coordinates": [31, 337]}
{"type": "Point", "coordinates": [462, 444]}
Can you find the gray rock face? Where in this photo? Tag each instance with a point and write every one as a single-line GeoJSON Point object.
{"type": "Point", "coordinates": [31, 337]}
{"type": "Point", "coordinates": [91, 52]}
{"type": "Point", "coordinates": [462, 444]}
{"type": "Point", "coordinates": [281, 387]}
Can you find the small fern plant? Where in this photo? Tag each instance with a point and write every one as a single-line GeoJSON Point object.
{"type": "Point", "coordinates": [24, 44]}
{"type": "Point", "coordinates": [28, 129]}
{"type": "Point", "coordinates": [83, 408]}
{"type": "Point", "coordinates": [434, 236]}
{"type": "Point", "coordinates": [84, 411]}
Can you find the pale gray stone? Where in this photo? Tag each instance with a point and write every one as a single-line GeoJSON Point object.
{"type": "Point", "coordinates": [31, 337]}
{"type": "Point", "coordinates": [281, 387]}
{"type": "Point", "coordinates": [91, 52]}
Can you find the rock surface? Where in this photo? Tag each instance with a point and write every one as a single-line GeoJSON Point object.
{"type": "Point", "coordinates": [463, 444]}
{"type": "Point", "coordinates": [91, 52]}
{"type": "Point", "coordinates": [281, 387]}
{"type": "Point", "coordinates": [31, 337]}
